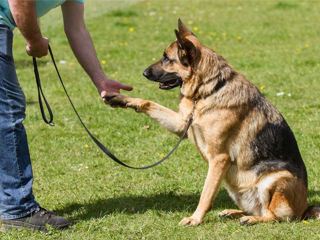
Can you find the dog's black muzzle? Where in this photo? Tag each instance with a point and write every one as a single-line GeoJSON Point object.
{"type": "Point", "coordinates": [166, 80]}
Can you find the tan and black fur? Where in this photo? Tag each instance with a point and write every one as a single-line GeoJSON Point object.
{"type": "Point", "coordinates": [241, 135]}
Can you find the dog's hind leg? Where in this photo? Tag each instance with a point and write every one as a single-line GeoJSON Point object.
{"type": "Point", "coordinates": [278, 209]}
{"type": "Point", "coordinates": [231, 213]}
{"type": "Point", "coordinates": [288, 200]}
{"type": "Point", "coordinates": [312, 212]}
{"type": "Point", "coordinates": [216, 172]}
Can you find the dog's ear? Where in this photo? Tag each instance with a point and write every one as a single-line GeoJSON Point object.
{"type": "Point", "coordinates": [179, 39]}
{"type": "Point", "coordinates": [189, 54]}
{"type": "Point", "coordinates": [184, 31]}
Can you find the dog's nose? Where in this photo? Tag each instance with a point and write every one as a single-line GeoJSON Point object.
{"type": "Point", "coordinates": [146, 73]}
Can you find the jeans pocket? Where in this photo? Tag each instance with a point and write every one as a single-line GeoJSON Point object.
{"type": "Point", "coordinates": [6, 58]}
{"type": "Point", "coordinates": [6, 37]}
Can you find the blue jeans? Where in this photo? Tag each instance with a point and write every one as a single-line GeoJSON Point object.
{"type": "Point", "coordinates": [16, 198]}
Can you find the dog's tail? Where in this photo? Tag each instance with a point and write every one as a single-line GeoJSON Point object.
{"type": "Point", "coordinates": [312, 212]}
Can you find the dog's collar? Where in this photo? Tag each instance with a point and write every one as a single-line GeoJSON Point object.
{"type": "Point", "coordinates": [220, 84]}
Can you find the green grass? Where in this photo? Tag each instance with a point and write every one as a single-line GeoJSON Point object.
{"type": "Point", "coordinates": [274, 43]}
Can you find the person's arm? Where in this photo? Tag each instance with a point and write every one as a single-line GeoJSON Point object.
{"type": "Point", "coordinates": [24, 14]}
{"type": "Point", "coordinates": [83, 48]}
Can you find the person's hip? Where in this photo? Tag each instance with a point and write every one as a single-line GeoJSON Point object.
{"type": "Point", "coordinates": [6, 37]}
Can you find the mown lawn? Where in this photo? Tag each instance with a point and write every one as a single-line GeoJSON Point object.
{"type": "Point", "coordinates": [274, 43]}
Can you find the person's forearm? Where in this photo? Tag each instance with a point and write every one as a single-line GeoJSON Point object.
{"type": "Point", "coordinates": [24, 14]}
{"type": "Point", "coordinates": [82, 46]}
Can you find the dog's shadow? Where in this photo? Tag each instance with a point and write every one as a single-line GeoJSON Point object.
{"type": "Point", "coordinates": [167, 202]}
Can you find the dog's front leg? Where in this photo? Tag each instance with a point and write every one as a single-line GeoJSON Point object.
{"type": "Point", "coordinates": [218, 166]}
{"type": "Point", "coordinates": [167, 118]}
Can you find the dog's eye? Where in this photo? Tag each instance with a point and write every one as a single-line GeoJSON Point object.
{"type": "Point", "coordinates": [166, 59]}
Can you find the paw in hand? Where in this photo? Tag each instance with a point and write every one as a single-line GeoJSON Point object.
{"type": "Point", "coordinates": [190, 221]}
{"type": "Point", "coordinates": [116, 100]}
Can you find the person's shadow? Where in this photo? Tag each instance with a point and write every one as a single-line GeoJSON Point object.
{"type": "Point", "coordinates": [167, 202]}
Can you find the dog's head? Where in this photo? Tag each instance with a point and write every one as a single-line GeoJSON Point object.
{"type": "Point", "coordinates": [178, 62]}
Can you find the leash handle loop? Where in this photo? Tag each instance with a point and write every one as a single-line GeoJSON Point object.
{"type": "Point", "coordinates": [95, 140]}
{"type": "Point", "coordinates": [42, 96]}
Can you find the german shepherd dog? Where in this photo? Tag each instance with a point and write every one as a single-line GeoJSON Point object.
{"type": "Point", "coordinates": [242, 136]}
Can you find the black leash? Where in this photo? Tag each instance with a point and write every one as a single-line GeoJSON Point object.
{"type": "Point", "coordinates": [97, 142]}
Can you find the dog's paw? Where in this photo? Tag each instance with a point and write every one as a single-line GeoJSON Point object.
{"type": "Point", "coordinates": [225, 214]}
{"type": "Point", "coordinates": [230, 214]}
{"type": "Point", "coordinates": [190, 221]}
{"type": "Point", "coordinates": [116, 100]}
{"type": "Point", "coordinates": [248, 220]}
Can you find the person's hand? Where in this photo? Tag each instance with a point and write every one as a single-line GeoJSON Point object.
{"type": "Point", "coordinates": [38, 48]}
{"type": "Point", "coordinates": [108, 86]}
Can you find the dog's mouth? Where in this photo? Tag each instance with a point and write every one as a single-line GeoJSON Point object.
{"type": "Point", "coordinates": [169, 81]}
{"type": "Point", "coordinates": [166, 80]}
{"type": "Point", "coordinates": [169, 84]}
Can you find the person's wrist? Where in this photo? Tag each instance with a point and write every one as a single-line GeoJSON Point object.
{"type": "Point", "coordinates": [99, 80]}
{"type": "Point", "coordinates": [34, 38]}
{"type": "Point", "coordinates": [98, 83]}
{"type": "Point", "coordinates": [35, 41]}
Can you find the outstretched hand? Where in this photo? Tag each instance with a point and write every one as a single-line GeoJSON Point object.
{"type": "Point", "coordinates": [109, 86]}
